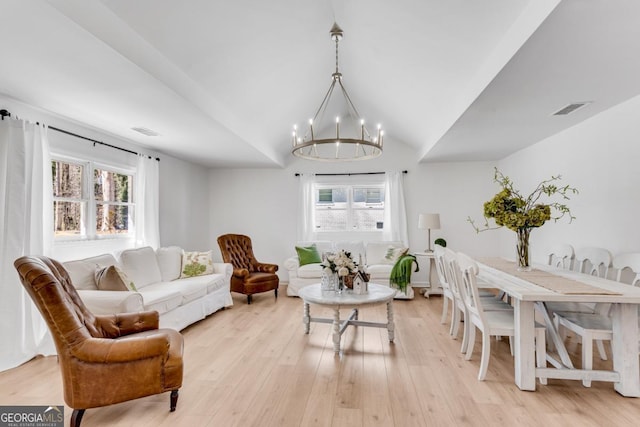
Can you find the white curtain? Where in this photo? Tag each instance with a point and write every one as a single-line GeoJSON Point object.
{"type": "Point", "coordinates": [147, 199]}
{"type": "Point", "coordinates": [395, 213]}
{"type": "Point", "coordinates": [306, 213]}
{"type": "Point", "coordinates": [26, 228]}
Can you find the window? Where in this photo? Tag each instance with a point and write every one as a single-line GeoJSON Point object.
{"type": "Point", "coordinates": [349, 207]}
{"type": "Point", "coordinates": [91, 201]}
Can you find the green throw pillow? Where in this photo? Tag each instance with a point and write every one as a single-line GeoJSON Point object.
{"type": "Point", "coordinates": [308, 255]}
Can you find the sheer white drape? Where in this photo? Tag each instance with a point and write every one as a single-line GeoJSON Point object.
{"type": "Point", "coordinates": [26, 228]}
{"type": "Point", "coordinates": [147, 199]}
{"type": "Point", "coordinates": [306, 211]}
{"type": "Point", "coordinates": [395, 213]}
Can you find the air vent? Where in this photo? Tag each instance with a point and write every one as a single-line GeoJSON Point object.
{"type": "Point", "coordinates": [570, 108]}
{"type": "Point", "coordinates": [145, 131]}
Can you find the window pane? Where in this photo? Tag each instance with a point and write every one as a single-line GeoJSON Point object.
{"type": "Point", "coordinates": [368, 195]}
{"type": "Point", "coordinates": [67, 218]}
{"type": "Point", "coordinates": [112, 219]}
{"type": "Point", "coordinates": [331, 219]}
{"type": "Point", "coordinates": [368, 219]}
{"type": "Point", "coordinates": [111, 186]}
{"type": "Point", "coordinates": [331, 195]}
{"type": "Point", "coordinates": [67, 179]}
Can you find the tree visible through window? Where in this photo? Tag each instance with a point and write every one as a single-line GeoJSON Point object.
{"type": "Point", "coordinates": [107, 209]}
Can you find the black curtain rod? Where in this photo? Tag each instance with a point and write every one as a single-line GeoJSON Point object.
{"type": "Point", "coordinates": [5, 113]}
{"type": "Point", "coordinates": [349, 173]}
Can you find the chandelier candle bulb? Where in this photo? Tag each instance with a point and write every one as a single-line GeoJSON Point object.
{"type": "Point", "coordinates": [311, 128]}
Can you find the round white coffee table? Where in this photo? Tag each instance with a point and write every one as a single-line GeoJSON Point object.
{"type": "Point", "coordinates": [378, 294]}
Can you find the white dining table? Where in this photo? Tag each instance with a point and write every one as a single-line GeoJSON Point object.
{"type": "Point", "coordinates": [527, 296]}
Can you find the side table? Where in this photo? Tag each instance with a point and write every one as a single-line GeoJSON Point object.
{"type": "Point", "coordinates": [434, 287]}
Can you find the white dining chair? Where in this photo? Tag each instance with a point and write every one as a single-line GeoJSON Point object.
{"type": "Point", "coordinates": [587, 321]}
{"type": "Point", "coordinates": [562, 256]}
{"type": "Point", "coordinates": [459, 313]}
{"type": "Point", "coordinates": [598, 325]}
{"type": "Point", "coordinates": [447, 295]}
{"type": "Point", "coordinates": [490, 323]}
{"type": "Point", "coordinates": [630, 262]}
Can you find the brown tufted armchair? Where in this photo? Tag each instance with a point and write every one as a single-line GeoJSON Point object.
{"type": "Point", "coordinates": [249, 276]}
{"type": "Point", "coordinates": [103, 359]}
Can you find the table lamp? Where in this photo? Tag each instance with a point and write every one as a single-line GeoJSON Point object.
{"type": "Point", "coordinates": [429, 221]}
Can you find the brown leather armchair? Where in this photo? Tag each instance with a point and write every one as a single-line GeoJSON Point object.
{"type": "Point", "coordinates": [249, 276]}
{"type": "Point", "coordinates": [103, 359]}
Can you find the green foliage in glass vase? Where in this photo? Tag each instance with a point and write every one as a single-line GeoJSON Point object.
{"type": "Point", "coordinates": [511, 209]}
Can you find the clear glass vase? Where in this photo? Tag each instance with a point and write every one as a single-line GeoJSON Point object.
{"type": "Point", "coordinates": [329, 282]}
{"type": "Point", "coordinates": [522, 249]}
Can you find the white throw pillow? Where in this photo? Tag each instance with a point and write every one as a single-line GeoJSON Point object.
{"type": "Point", "coordinates": [170, 262]}
{"type": "Point", "coordinates": [393, 255]}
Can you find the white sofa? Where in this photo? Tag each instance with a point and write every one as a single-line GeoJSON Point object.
{"type": "Point", "coordinates": [156, 275]}
{"type": "Point", "coordinates": [372, 254]}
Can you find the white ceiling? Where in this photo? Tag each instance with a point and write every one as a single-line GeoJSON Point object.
{"type": "Point", "coordinates": [223, 82]}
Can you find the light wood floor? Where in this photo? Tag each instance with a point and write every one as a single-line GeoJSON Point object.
{"type": "Point", "coordinates": [254, 366]}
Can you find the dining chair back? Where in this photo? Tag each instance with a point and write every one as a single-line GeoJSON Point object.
{"type": "Point", "coordinates": [458, 303]}
{"type": "Point", "coordinates": [594, 261]}
{"type": "Point", "coordinates": [627, 261]}
{"type": "Point", "coordinates": [562, 256]}
{"type": "Point", "coordinates": [438, 253]}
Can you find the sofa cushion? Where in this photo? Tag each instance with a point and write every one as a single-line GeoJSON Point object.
{"type": "Point", "coordinates": [189, 290]}
{"type": "Point", "coordinates": [82, 271]}
{"type": "Point", "coordinates": [356, 249]}
{"type": "Point", "coordinates": [376, 251]}
{"type": "Point", "coordinates": [393, 254]}
{"type": "Point", "coordinates": [308, 255]}
{"type": "Point", "coordinates": [170, 262]}
{"type": "Point", "coordinates": [113, 279]}
{"type": "Point", "coordinates": [310, 271]}
{"type": "Point", "coordinates": [141, 265]}
{"type": "Point", "coordinates": [210, 282]}
{"type": "Point", "coordinates": [322, 246]}
{"type": "Point", "coordinates": [196, 264]}
{"type": "Point", "coordinates": [161, 300]}
{"type": "Point", "coordinates": [379, 271]}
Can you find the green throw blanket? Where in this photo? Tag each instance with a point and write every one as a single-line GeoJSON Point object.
{"type": "Point", "coordinates": [401, 272]}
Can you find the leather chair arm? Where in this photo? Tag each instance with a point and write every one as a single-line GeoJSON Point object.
{"type": "Point", "coordinates": [266, 268]}
{"type": "Point", "coordinates": [128, 349]}
{"type": "Point", "coordinates": [240, 273]}
{"type": "Point", "coordinates": [121, 324]}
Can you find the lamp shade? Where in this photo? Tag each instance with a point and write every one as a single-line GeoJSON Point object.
{"type": "Point", "coordinates": [429, 221]}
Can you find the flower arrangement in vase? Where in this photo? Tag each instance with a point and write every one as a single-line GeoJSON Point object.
{"type": "Point", "coordinates": [509, 208]}
{"type": "Point", "coordinates": [340, 264]}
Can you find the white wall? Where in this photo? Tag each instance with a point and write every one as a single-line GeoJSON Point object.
{"type": "Point", "coordinates": [600, 157]}
{"type": "Point", "coordinates": [184, 205]}
{"type": "Point", "coordinates": [263, 203]}
{"type": "Point", "coordinates": [184, 187]}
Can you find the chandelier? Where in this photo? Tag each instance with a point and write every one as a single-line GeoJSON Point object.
{"type": "Point", "coordinates": [354, 143]}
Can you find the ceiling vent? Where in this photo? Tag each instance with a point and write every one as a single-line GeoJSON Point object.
{"type": "Point", "coordinates": [145, 131]}
{"type": "Point", "coordinates": [570, 108]}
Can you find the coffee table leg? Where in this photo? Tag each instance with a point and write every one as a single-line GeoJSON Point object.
{"type": "Point", "coordinates": [306, 318]}
{"type": "Point", "coordinates": [336, 330]}
{"type": "Point", "coordinates": [390, 324]}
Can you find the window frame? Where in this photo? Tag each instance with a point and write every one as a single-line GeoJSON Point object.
{"type": "Point", "coordinates": [350, 206]}
{"type": "Point", "coordinates": [88, 223]}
